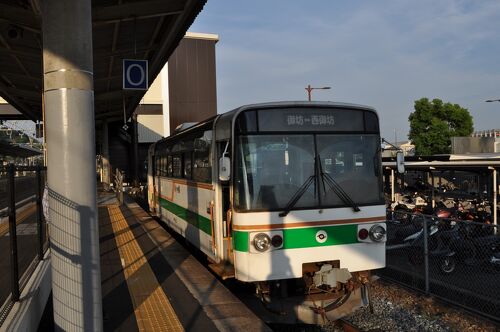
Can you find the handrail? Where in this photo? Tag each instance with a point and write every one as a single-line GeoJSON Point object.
{"type": "Point", "coordinates": [17, 276]}
{"type": "Point", "coordinates": [214, 245]}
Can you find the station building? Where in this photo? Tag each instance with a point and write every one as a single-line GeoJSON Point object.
{"type": "Point", "coordinates": [184, 91]}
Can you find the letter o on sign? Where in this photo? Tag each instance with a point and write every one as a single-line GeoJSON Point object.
{"type": "Point", "coordinates": [135, 74]}
{"type": "Point", "coordinates": [140, 79]}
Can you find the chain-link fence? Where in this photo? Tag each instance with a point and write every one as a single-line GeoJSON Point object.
{"type": "Point", "coordinates": [23, 230]}
{"type": "Point", "coordinates": [456, 260]}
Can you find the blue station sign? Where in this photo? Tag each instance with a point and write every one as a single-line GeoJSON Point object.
{"type": "Point", "coordinates": [135, 74]}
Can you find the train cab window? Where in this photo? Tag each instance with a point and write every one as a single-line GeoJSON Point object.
{"type": "Point", "coordinates": [357, 160]}
{"type": "Point", "coordinates": [247, 122]}
{"type": "Point", "coordinates": [371, 122]}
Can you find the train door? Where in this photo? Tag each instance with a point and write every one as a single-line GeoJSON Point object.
{"type": "Point", "coordinates": [224, 150]}
{"type": "Point", "coordinates": [223, 216]}
{"type": "Point", "coordinates": [151, 179]}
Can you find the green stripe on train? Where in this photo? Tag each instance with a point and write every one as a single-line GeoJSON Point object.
{"type": "Point", "coordinates": [295, 238]}
{"type": "Point", "coordinates": [187, 215]}
{"type": "Point", "coordinates": [240, 241]}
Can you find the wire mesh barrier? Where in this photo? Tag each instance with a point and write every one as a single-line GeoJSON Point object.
{"type": "Point", "coordinates": [5, 262]}
{"type": "Point", "coordinates": [119, 185]}
{"type": "Point", "coordinates": [456, 260]}
{"type": "Point", "coordinates": [23, 232]}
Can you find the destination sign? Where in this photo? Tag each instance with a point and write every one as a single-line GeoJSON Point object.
{"type": "Point", "coordinates": [310, 119]}
{"type": "Point", "coordinates": [307, 119]}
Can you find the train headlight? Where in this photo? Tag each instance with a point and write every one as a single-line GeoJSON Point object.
{"type": "Point", "coordinates": [377, 233]}
{"type": "Point", "coordinates": [261, 242]}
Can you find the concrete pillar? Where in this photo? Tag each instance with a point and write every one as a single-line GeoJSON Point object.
{"type": "Point", "coordinates": [69, 115]}
{"type": "Point", "coordinates": [135, 152]}
{"type": "Point", "coordinates": [106, 168]}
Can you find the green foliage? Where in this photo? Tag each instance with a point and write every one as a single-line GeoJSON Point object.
{"type": "Point", "coordinates": [13, 136]}
{"type": "Point", "coordinates": [434, 123]}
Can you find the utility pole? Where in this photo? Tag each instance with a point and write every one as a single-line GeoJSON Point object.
{"type": "Point", "coordinates": [309, 90]}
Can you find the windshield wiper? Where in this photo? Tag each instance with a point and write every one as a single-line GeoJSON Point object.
{"type": "Point", "coordinates": [325, 178]}
{"type": "Point", "coordinates": [337, 189]}
{"type": "Point", "coordinates": [298, 194]}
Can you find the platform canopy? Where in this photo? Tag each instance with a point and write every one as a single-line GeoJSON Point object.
{"type": "Point", "coordinates": [122, 29]}
{"type": "Point", "coordinates": [18, 150]}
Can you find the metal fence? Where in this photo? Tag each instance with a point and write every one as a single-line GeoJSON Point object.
{"type": "Point", "coordinates": [456, 260]}
{"type": "Point", "coordinates": [23, 230]}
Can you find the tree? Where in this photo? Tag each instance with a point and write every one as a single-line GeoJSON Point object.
{"type": "Point", "coordinates": [434, 123]}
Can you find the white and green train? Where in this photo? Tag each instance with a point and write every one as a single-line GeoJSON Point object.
{"type": "Point", "coordinates": [284, 195]}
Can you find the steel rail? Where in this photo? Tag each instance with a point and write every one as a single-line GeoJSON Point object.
{"type": "Point", "coordinates": [5, 211]}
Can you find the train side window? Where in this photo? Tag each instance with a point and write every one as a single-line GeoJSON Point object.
{"type": "Point", "coordinates": [169, 166]}
{"type": "Point", "coordinates": [188, 170]}
{"type": "Point", "coordinates": [164, 165]}
{"type": "Point", "coordinates": [177, 166]}
{"type": "Point", "coordinates": [202, 167]}
{"type": "Point", "coordinates": [157, 161]}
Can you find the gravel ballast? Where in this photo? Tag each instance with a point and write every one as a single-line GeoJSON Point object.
{"type": "Point", "coordinates": [398, 309]}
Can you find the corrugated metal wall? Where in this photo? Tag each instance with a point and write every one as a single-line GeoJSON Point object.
{"type": "Point", "coordinates": [192, 82]}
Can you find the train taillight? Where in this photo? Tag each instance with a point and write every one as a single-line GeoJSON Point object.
{"type": "Point", "coordinates": [363, 234]}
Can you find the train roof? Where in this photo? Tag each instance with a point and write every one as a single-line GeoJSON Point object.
{"type": "Point", "coordinates": [281, 104]}
{"type": "Point", "coordinates": [224, 122]}
{"type": "Point", "coordinates": [189, 129]}
{"type": "Point", "coordinates": [225, 119]}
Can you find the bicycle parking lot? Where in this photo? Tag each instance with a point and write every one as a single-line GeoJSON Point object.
{"type": "Point", "coordinates": [442, 235]}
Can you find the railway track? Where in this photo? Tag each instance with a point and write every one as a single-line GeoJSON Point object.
{"type": "Point", "coordinates": [337, 326]}
{"type": "Point", "coordinates": [347, 326]}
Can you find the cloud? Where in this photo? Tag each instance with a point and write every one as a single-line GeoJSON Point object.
{"type": "Point", "coordinates": [385, 53]}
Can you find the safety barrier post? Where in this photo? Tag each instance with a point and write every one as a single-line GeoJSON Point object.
{"type": "Point", "coordinates": [39, 211]}
{"type": "Point", "coordinates": [14, 268]}
{"type": "Point", "coordinates": [426, 255]}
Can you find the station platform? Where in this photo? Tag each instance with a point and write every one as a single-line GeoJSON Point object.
{"type": "Point", "coordinates": [151, 283]}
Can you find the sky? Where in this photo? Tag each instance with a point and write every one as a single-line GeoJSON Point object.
{"type": "Point", "coordinates": [385, 54]}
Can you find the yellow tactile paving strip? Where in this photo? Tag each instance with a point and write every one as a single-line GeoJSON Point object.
{"type": "Point", "coordinates": [21, 216]}
{"type": "Point", "coordinates": [152, 309]}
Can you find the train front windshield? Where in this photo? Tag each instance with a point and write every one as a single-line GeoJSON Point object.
{"type": "Point", "coordinates": [273, 165]}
